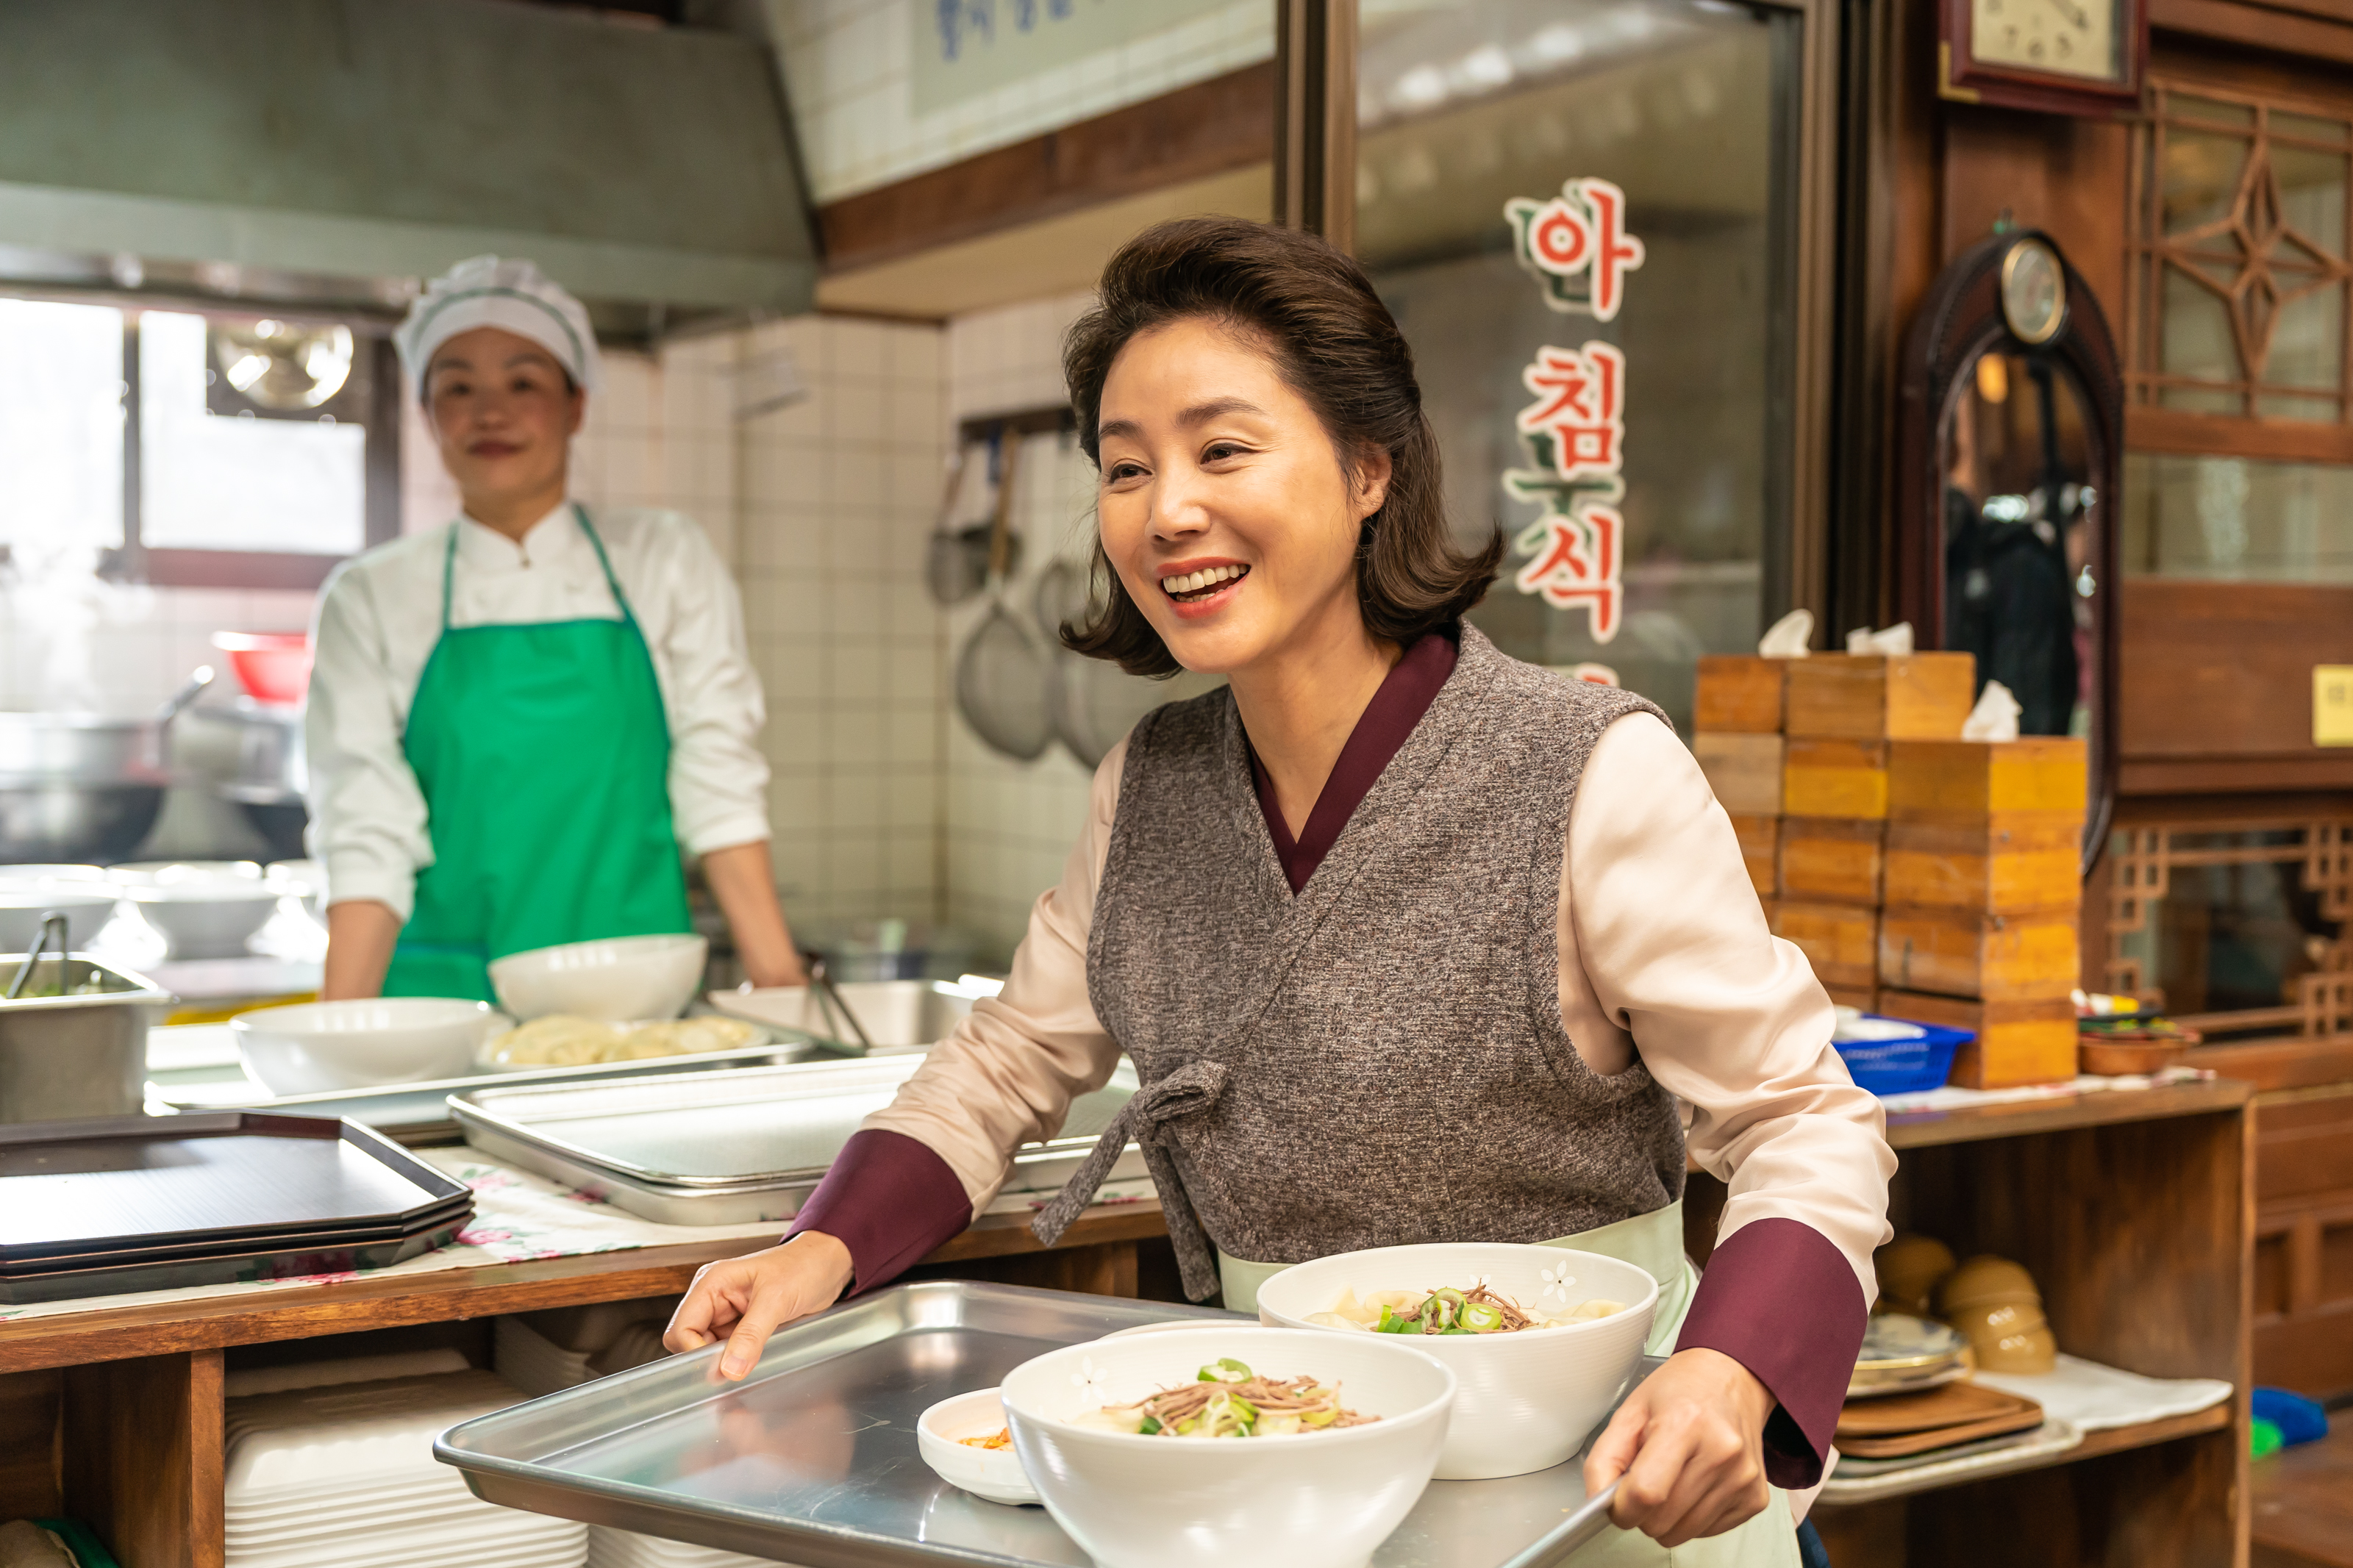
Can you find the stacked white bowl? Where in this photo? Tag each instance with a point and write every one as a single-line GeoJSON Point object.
{"type": "Point", "coordinates": [310, 1047]}
{"type": "Point", "coordinates": [79, 892]}
{"type": "Point", "coordinates": [202, 909]}
{"type": "Point", "coordinates": [618, 980]}
{"type": "Point", "coordinates": [344, 1476]}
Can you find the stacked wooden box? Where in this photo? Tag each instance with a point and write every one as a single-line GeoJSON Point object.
{"type": "Point", "coordinates": [1924, 876]}
{"type": "Point", "coordinates": [1982, 887]}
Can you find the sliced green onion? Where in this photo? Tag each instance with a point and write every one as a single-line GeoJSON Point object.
{"type": "Point", "coordinates": [1480, 1318]}
{"type": "Point", "coordinates": [1151, 1426]}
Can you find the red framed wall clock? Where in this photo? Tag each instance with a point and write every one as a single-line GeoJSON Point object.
{"type": "Point", "coordinates": [2057, 56]}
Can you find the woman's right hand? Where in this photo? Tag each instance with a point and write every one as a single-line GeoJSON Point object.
{"type": "Point", "coordinates": [744, 1300]}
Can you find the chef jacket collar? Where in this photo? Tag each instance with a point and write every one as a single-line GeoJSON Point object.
{"type": "Point", "coordinates": [553, 539]}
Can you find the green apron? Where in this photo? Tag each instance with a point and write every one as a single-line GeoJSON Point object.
{"type": "Point", "coordinates": [1653, 1243]}
{"type": "Point", "coordinates": [543, 753]}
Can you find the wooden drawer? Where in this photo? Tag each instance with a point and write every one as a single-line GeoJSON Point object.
{"type": "Point", "coordinates": [1835, 778]}
{"type": "Point", "coordinates": [1970, 781]}
{"type": "Point", "coordinates": [1744, 771]}
{"type": "Point", "coordinates": [1994, 958]}
{"type": "Point", "coordinates": [1833, 859]}
{"type": "Point", "coordinates": [1738, 692]}
{"type": "Point", "coordinates": [2004, 865]}
{"type": "Point", "coordinates": [1872, 697]}
{"type": "Point", "coordinates": [1839, 940]}
{"type": "Point", "coordinates": [2017, 1042]}
{"type": "Point", "coordinates": [1760, 846]}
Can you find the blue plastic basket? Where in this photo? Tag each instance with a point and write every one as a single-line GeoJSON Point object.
{"type": "Point", "coordinates": [1905, 1067]}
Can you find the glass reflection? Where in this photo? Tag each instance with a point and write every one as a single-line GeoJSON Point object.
{"type": "Point", "coordinates": [2018, 511]}
{"type": "Point", "coordinates": [1684, 104]}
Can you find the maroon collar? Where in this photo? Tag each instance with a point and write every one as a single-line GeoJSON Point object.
{"type": "Point", "coordinates": [1405, 695]}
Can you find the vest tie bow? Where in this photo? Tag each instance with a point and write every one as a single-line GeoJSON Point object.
{"type": "Point", "coordinates": [1189, 1091]}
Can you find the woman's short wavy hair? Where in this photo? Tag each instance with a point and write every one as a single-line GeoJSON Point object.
{"type": "Point", "coordinates": [1334, 344]}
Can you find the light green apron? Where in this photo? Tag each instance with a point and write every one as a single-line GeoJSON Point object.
{"type": "Point", "coordinates": [542, 751]}
{"type": "Point", "coordinates": [1653, 1243]}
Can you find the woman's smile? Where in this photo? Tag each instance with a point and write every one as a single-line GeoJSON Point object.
{"type": "Point", "coordinates": [1200, 587]}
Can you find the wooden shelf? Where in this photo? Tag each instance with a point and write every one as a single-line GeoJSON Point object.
{"type": "Point", "coordinates": [104, 1333]}
{"type": "Point", "coordinates": [2108, 1440]}
{"type": "Point", "coordinates": [2060, 1114]}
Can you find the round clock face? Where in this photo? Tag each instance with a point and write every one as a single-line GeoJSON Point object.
{"type": "Point", "coordinates": [2034, 291]}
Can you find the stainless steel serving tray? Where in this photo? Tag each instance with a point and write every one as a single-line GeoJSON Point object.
{"type": "Point", "coordinates": [812, 1458]}
{"type": "Point", "coordinates": [410, 1107]}
{"type": "Point", "coordinates": [737, 1146]}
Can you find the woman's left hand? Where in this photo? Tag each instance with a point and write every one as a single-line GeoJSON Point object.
{"type": "Point", "coordinates": [1687, 1450]}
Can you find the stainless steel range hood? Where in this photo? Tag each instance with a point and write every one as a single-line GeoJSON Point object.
{"type": "Point", "coordinates": [386, 138]}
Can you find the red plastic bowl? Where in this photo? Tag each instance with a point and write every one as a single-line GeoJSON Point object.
{"type": "Point", "coordinates": [272, 666]}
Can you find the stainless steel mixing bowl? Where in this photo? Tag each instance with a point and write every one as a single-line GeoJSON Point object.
{"type": "Point", "coordinates": [76, 787]}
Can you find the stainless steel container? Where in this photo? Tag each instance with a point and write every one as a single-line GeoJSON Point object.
{"type": "Point", "coordinates": [78, 787]}
{"type": "Point", "coordinates": [80, 1053]}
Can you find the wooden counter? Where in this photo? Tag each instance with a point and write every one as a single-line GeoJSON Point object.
{"type": "Point", "coordinates": [2133, 1210]}
{"type": "Point", "coordinates": [113, 1415]}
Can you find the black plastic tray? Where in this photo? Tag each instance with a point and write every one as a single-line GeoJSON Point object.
{"type": "Point", "coordinates": [174, 1274]}
{"type": "Point", "coordinates": [78, 1189]}
{"type": "Point", "coordinates": [457, 1212]}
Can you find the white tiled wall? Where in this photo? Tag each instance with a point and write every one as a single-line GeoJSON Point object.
{"type": "Point", "coordinates": [837, 496]}
{"type": "Point", "coordinates": [848, 64]}
{"type": "Point", "coordinates": [1011, 824]}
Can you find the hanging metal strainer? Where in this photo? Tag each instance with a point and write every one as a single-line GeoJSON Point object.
{"type": "Point", "coordinates": [1001, 678]}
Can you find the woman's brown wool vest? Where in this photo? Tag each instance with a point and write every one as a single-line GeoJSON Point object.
{"type": "Point", "coordinates": [1380, 1059]}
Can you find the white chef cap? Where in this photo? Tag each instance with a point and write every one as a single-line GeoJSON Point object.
{"type": "Point", "coordinates": [508, 294]}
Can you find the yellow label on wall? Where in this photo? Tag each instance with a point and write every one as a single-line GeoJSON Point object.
{"type": "Point", "coordinates": [2332, 704]}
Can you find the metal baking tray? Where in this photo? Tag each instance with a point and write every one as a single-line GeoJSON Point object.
{"type": "Point", "coordinates": [425, 1107]}
{"type": "Point", "coordinates": [739, 1146]}
{"type": "Point", "coordinates": [812, 1458]}
{"type": "Point", "coordinates": [72, 1188]}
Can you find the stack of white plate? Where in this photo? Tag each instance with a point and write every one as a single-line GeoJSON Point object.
{"type": "Point", "coordinates": [610, 1548]}
{"type": "Point", "coordinates": [344, 1476]}
{"type": "Point", "coordinates": [532, 1361]}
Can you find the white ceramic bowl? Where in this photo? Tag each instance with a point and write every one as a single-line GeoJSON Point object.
{"type": "Point", "coordinates": [620, 979]}
{"type": "Point", "coordinates": [303, 880]}
{"type": "Point", "coordinates": [991, 1473]}
{"type": "Point", "coordinates": [313, 1047]}
{"type": "Point", "coordinates": [149, 873]}
{"type": "Point", "coordinates": [1529, 1400]}
{"type": "Point", "coordinates": [87, 906]}
{"type": "Point", "coordinates": [205, 916]}
{"type": "Point", "coordinates": [1319, 1499]}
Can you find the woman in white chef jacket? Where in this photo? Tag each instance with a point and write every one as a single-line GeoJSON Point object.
{"type": "Point", "coordinates": [517, 719]}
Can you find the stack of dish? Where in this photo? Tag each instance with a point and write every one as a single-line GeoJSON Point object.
{"type": "Point", "coordinates": [344, 1476]}
{"type": "Point", "coordinates": [1905, 1354]}
{"type": "Point", "coordinates": [155, 1202]}
{"type": "Point", "coordinates": [609, 1548]}
{"type": "Point", "coordinates": [734, 1145]}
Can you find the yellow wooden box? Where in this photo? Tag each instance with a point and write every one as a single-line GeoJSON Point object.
{"type": "Point", "coordinates": [1739, 692]}
{"type": "Point", "coordinates": [1839, 940]}
{"type": "Point", "coordinates": [1970, 781]}
{"type": "Point", "coordinates": [1992, 958]}
{"type": "Point", "coordinates": [1760, 843]}
{"type": "Point", "coordinates": [1877, 697]}
{"type": "Point", "coordinates": [2017, 1042]}
{"type": "Point", "coordinates": [1834, 778]}
{"type": "Point", "coordinates": [2006, 863]}
{"type": "Point", "coordinates": [1744, 771]}
{"type": "Point", "coordinates": [1833, 859]}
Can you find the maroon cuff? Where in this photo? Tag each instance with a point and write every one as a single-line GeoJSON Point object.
{"type": "Point", "coordinates": [1778, 1299]}
{"type": "Point", "coordinates": [889, 1199]}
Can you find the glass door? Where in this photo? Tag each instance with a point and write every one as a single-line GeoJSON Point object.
{"type": "Point", "coordinates": [1585, 215]}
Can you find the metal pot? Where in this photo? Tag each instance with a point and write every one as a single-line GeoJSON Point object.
{"type": "Point", "coordinates": [80, 1053]}
{"type": "Point", "coordinates": [78, 787]}
{"type": "Point", "coordinates": [252, 754]}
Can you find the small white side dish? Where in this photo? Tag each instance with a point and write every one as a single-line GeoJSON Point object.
{"type": "Point", "coordinates": [1529, 1399]}
{"type": "Point", "coordinates": [617, 980]}
{"type": "Point", "coordinates": [314, 1047]}
{"type": "Point", "coordinates": [205, 914]}
{"type": "Point", "coordinates": [1320, 1499]}
{"type": "Point", "coordinates": [991, 1473]}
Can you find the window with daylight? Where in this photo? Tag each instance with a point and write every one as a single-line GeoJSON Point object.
{"type": "Point", "coordinates": [196, 449]}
